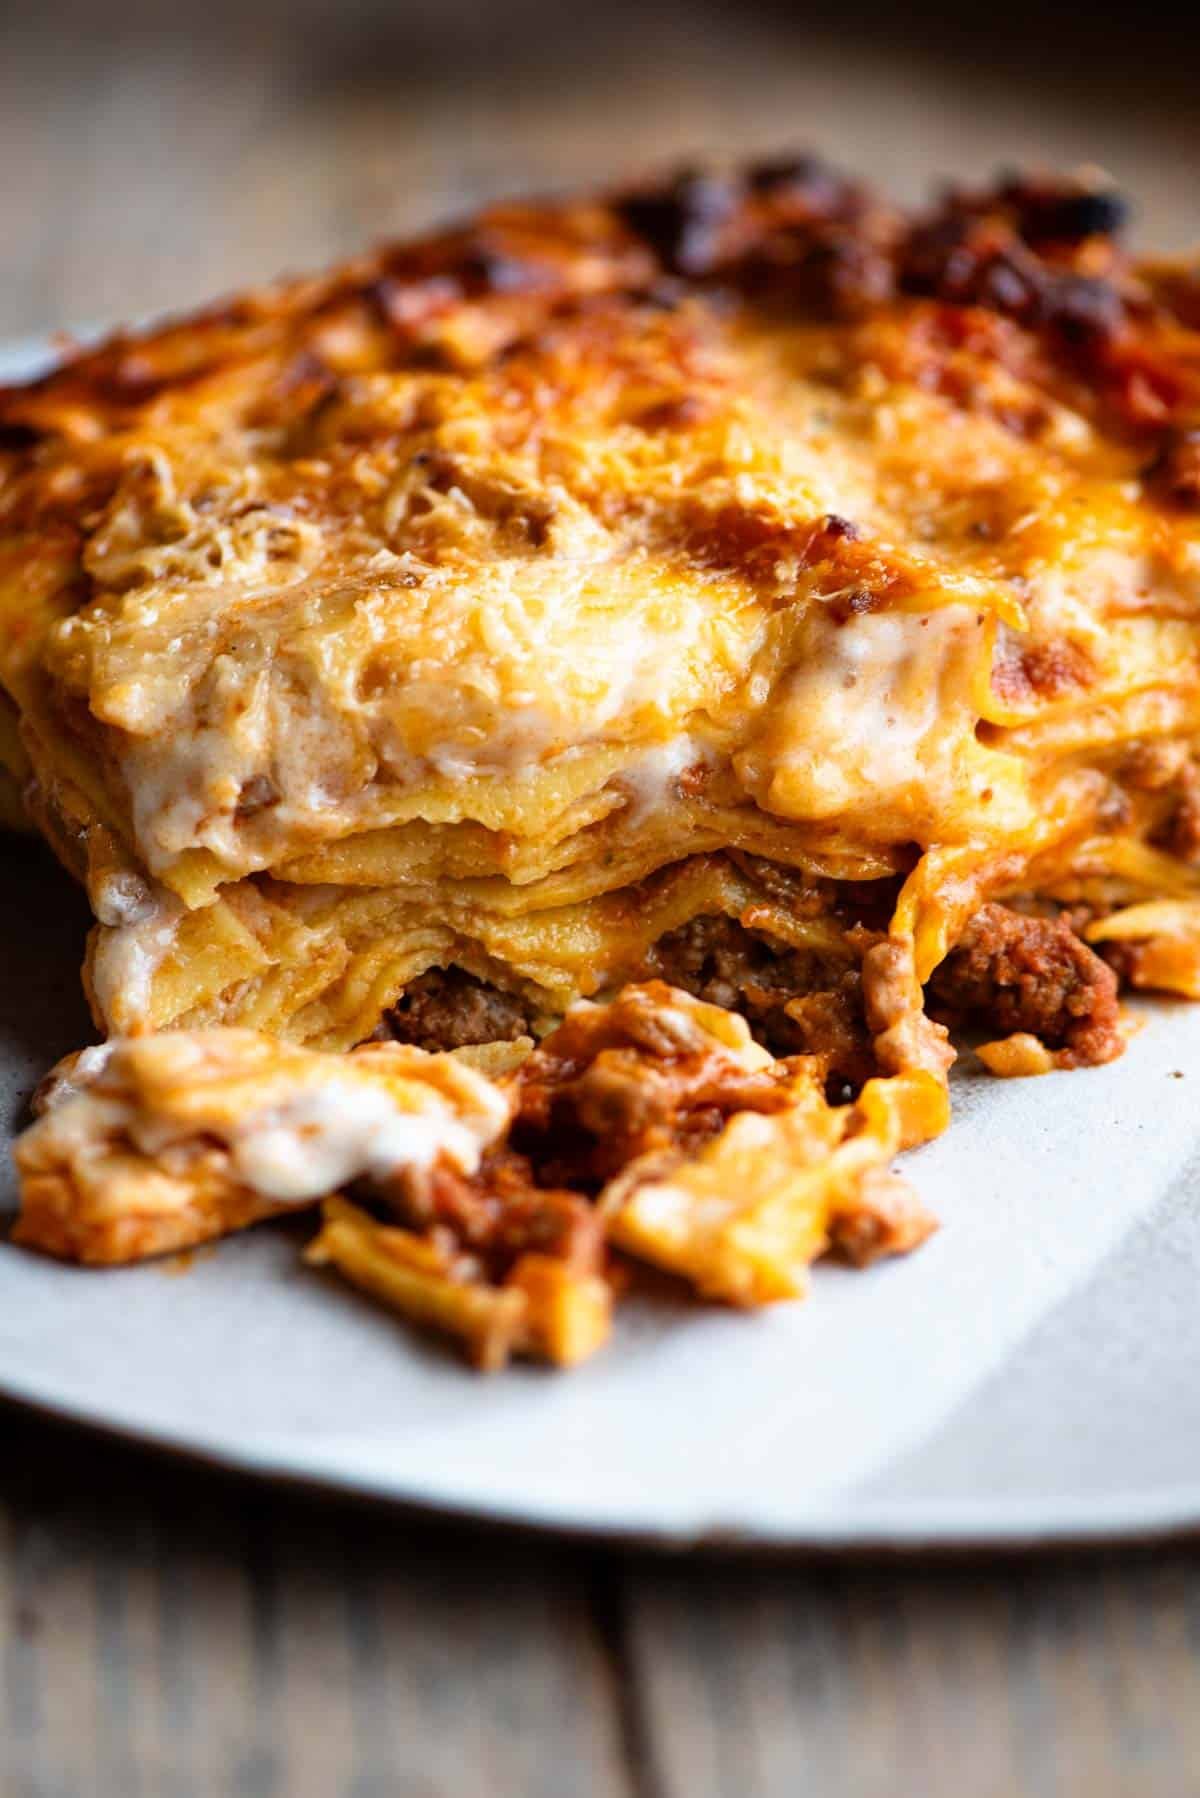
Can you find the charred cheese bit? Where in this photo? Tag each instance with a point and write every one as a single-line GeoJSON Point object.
{"type": "Point", "coordinates": [156, 1143]}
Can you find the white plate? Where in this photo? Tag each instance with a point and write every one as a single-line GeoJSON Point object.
{"type": "Point", "coordinates": [1028, 1375]}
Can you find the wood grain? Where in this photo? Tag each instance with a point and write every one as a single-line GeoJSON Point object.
{"type": "Point", "coordinates": [170, 1632]}
{"type": "Point", "coordinates": [167, 1633]}
{"type": "Point", "coordinates": [1049, 1678]}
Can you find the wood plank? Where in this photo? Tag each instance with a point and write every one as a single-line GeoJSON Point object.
{"type": "Point", "coordinates": [169, 1633]}
{"type": "Point", "coordinates": [1049, 1678]}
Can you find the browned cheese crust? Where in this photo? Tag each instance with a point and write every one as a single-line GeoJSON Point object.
{"type": "Point", "coordinates": [729, 579]}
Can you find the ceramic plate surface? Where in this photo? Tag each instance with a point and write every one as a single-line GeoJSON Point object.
{"type": "Point", "coordinates": [1029, 1375]}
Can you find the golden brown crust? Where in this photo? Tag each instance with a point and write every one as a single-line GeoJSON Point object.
{"type": "Point", "coordinates": [437, 611]}
{"type": "Point", "coordinates": [1042, 252]}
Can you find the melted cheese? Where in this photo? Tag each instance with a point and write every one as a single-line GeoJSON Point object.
{"type": "Point", "coordinates": [339, 1132]}
{"type": "Point", "coordinates": [131, 953]}
{"type": "Point", "coordinates": [293, 1125]}
{"type": "Point", "coordinates": [878, 720]}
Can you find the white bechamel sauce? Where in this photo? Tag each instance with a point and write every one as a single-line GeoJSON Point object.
{"type": "Point", "coordinates": [876, 708]}
{"type": "Point", "coordinates": [77, 1128]}
{"type": "Point", "coordinates": [86, 1068]}
{"type": "Point", "coordinates": [483, 679]}
{"type": "Point", "coordinates": [121, 898]}
{"type": "Point", "coordinates": [318, 1136]}
{"type": "Point", "coordinates": [652, 779]}
{"type": "Point", "coordinates": [518, 741]}
{"type": "Point", "coordinates": [127, 959]}
{"type": "Point", "coordinates": [344, 1130]}
{"type": "Point", "coordinates": [875, 692]}
{"type": "Point", "coordinates": [679, 1211]}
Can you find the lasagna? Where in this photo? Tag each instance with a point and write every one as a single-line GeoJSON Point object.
{"type": "Point", "coordinates": [727, 587]}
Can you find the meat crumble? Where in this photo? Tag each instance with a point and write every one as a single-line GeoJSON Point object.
{"type": "Point", "coordinates": [796, 1001]}
{"type": "Point", "coordinates": [447, 1008]}
{"type": "Point", "coordinates": [1011, 972]}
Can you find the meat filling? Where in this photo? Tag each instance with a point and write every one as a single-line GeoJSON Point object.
{"type": "Point", "coordinates": [1014, 973]}
{"type": "Point", "coordinates": [617, 1082]}
{"type": "Point", "coordinates": [611, 1084]}
{"type": "Point", "coordinates": [447, 1008]}
{"type": "Point", "coordinates": [796, 1001]}
{"type": "Point", "coordinates": [500, 1213]}
{"type": "Point", "coordinates": [1008, 973]}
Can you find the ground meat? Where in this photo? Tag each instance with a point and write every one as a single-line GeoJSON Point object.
{"type": "Point", "coordinates": [447, 1008]}
{"type": "Point", "coordinates": [1181, 833]}
{"type": "Point", "coordinates": [633, 1078]}
{"type": "Point", "coordinates": [1015, 973]}
{"type": "Point", "coordinates": [796, 1001]}
{"type": "Point", "coordinates": [501, 1212]}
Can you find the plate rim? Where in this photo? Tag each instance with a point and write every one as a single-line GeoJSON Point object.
{"type": "Point", "coordinates": [950, 1528]}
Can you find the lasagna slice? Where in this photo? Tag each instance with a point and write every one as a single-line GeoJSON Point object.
{"type": "Point", "coordinates": [730, 581]}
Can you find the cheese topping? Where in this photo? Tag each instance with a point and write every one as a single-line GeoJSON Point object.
{"type": "Point", "coordinates": [877, 717]}
{"type": "Point", "coordinates": [325, 1139]}
{"type": "Point", "coordinates": [293, 1125]}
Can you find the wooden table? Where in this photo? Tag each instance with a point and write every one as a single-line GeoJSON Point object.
{"type": "Point", "coordinates": [168, 1632]}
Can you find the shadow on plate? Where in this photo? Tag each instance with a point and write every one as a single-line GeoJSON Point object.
{"type": "Point", "coordinates": [43, 1013]}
